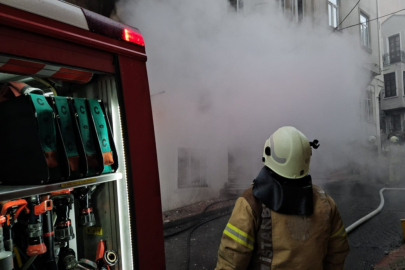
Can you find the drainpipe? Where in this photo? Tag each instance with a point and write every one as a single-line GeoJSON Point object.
{"type": "Point", "coordinates": [379, 78]}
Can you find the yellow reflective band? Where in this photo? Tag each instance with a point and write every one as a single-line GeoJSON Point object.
{"type": "Point", "coordinates": [241, 232]}
{"type": "Point", "coordinates": [240, 241]}
{"type": "Point", "coordinates": [339, 232]}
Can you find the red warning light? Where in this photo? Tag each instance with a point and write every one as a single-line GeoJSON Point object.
{"type": "Point", "coordinates": [132, 36]}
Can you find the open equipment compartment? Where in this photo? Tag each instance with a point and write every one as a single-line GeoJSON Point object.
{"type": "Point", "coordinates": [95, 217]}
{"type": "Point", "coordinates": [119, 204]}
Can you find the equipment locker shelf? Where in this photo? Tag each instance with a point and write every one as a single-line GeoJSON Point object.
{"type": "Point", "coordinates": [15, 192]}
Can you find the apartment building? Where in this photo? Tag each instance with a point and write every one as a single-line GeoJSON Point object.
{"type": "Point", "coordinates": [189, 171]}
{"type": "Point", "coordinates": [392, 98]}
{"type": "Point", "coordinates": [339, 14]}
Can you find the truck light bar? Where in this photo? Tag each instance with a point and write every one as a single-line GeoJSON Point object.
{"type": "Point", "coordinates": [107, 27]}
{"type": "Point", "coordinates": [132, 36]}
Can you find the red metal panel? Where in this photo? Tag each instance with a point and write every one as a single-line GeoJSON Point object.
{"type": "Point", "coordinates": [58, 30]}
{"type": "Point", "coordinates": [21, 67]}
{"type": "Point", "coordinates": [24, 67]}
{"type": "Point", "coordinates": [26, 44]}
{"type": "Point", "coordinates": [144, 167]}
{"type": "Point", "coordinates": [72, 75]}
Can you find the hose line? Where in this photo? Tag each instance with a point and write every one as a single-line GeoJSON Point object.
{"type": "Point", "coordinates": [199, 217]}
{"type": "Point", "coordinates": [372, 214]}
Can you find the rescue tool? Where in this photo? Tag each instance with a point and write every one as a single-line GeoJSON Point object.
{"type": "Point", "coordinates": [6, 257]}
{"type": "Point", "coordinates": [62, 202]}
{"type": "Point", "coordinates": [49, 238]}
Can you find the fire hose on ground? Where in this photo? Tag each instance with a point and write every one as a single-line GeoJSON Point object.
{"type": "Point", "coordinates": [372, 214]}
{"type": "Point", "coordinates": [197, 224]}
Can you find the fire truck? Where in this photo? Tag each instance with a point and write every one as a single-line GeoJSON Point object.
{"type": "Point", "coordinates": [79, 183]}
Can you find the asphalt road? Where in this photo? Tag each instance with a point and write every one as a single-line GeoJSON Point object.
{"type": "Point", "coordinates": [355, 199]}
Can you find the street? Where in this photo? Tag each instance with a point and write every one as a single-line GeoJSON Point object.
{"type": "Point", "coordinates": [355, 199]}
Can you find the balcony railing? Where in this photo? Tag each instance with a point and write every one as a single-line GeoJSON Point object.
{"type": "Point", "coordinates": [389, 59]}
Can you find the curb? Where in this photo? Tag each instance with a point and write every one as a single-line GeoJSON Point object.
{"type": "Point", "coordinates": [174, 223]}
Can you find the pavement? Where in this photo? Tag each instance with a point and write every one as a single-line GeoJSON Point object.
{"type": "Point", "coordinates": [370, 243]}
{"type": "Point", "coordinates": [395, 260]}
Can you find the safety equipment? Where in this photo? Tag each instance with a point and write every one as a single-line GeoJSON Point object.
{"type": "Point", "coordinates": [394, 139]}
{"type": "Point", "coordinates": [87, 218]}
{"type": "Point", "coordinates": [258, 238]}
{"type": "Point", "coordinates": [11, 210]}
{"type": "Point", "coordinates": [16, 89]}
{"type": "Point", "coordinates": [6, 257]}
{"type": "Point", "coordinates": [288, 153]}
{"type": "Point", "coordinates": [63, 203]}
{"type": "Point", "coordinates": [372, 139]}
{"type": "Point", "coordinates": [105, 258]}
{"type": "Point", "coordinates": [49, 237]}
{"type": "Point", "coordinates": [34, 220]}
{"type": "Point", "coordinates": [67, 261]}
{"type": "Point", "coordinates": [292, 197]}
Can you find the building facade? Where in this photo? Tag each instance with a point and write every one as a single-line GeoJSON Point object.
{"type": "Point", "coordinates": [392, 98]}
{"type": "Point", "coordinates": [353, 23]}
{"type": "Point", "coordinates": [189, 171]}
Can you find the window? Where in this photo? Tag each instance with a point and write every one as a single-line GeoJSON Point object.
{"type": "Point", "coordinates": [394, 49]}
{"type": "Point", "coordinates": [293, 8]}
{"type": "Point", "coordinates": [333, 12]}
{"type": "Point", "coordinates": [403, 81]}
{"type": "Point", "coordinates": [396, 122]}
{"type": "Point", "coordinates": [369, 106]}
{"type": "Point", "coordinates": [191, 168]}
{"type": "Point", "coordinates": [282, 4]}
{"type": "Point", "coordinates": [236, 4]}
{"type": "Point", "coordinates": [390, 85]}
{"type": "Point", "coordinates": [364, 30]}
{"type": "Point", "coordinates": [300, 10]}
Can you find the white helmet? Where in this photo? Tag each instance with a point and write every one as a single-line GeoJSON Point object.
{"type": "Point", "coordinates": [394, 139]}
{"type": "Point", "coordinates": [288, 153]}
{"type": "Point", "coordinates": [372, 139]}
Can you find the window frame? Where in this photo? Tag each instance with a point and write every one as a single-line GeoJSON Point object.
{"type": "Point", "coordinates": [329, 3]}
{"type": "Point", "coordinates": [292, 8]}
{"type": "Point", "coordinates": [387, 50]}
{"type": "Point", "coordinates": [403, 82]}
{"type": "Point", "coordinates": [399, 122]}
{"type": "Point", "coordinates": [385, 86]}
{"type": "Point", "coordinates": [187, 170]}
{"type": "Point", "coordinates": [369, 106]}
{"type": "Point", "coordinates": [364, 14]}
{"type": "Point", "coordinates": [299, 17]}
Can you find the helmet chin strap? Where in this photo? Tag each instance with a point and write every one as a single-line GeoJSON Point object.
{"type": "Point", "coordinates": [315, 144]}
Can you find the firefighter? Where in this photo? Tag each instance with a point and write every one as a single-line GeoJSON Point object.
{"type": "Point", "coordinates": [395, 157]}
{"type": "Point", "coordinates": [283, 221]}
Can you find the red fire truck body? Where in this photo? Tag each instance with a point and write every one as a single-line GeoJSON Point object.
{"type": "Point", "coordinates": [56, 40]}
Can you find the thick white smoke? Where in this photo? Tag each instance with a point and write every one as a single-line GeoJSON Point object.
{"type": "Point", "coordinates": [230, 80]}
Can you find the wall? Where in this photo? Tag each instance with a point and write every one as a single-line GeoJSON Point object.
{"type": "Point", "coordinates": [389, 6]}
{"type": "Point", "coordinates": [394, 25]}
{"type": "Point", "coordinates": [169, 122]}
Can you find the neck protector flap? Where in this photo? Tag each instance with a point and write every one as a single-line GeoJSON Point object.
{"type": "Point", "coordinates": [282, 195]}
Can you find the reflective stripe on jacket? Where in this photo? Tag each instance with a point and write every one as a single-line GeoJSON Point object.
{"type": "Point", "coordinates": [259, 238]}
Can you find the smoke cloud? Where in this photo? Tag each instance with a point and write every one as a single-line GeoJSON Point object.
{"type": "Point", "coordinates": [230, 80]}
